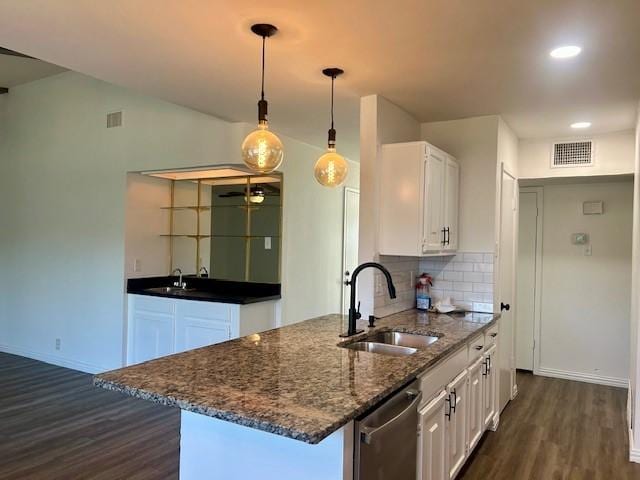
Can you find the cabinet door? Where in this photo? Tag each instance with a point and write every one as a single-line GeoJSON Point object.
{"type": "Point", "coordinates": [450, 210]}
{"type": "Point", "coordinates": [457, 424]}
{"type": "Point", "coordinates": [152, 336]}
{"type": "Point", "coordinates": [193, 332]}
{"type": "Point", "coordinates": [489, 388]}
{"type": "Point", "coordinates": [432, 440]}
{"type": "Point", "coordinates": [202, 323]}
{"type": "Point", "coordinates": [476, 403]}
{"type": "Point", "coordinates": [432, 209]}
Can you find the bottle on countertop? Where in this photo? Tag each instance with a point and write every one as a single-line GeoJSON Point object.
{"type": "Point", "coordinates": [423, 299]}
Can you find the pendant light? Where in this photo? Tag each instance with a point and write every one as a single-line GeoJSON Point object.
{"type": "Point", "coordinates": [331, 168]}
{"type": "Point", "coordinates": [262, 150]}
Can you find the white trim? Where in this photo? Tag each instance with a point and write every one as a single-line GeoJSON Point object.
{"type": "Point", "coordinates": [345, 200]}
{"type": "Point", "coordinates": [54, 359]}
{"type": "Point", "coordinates": [583, 377]}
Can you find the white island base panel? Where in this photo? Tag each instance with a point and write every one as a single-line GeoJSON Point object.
{"type": "Point", "coordinates": [215, 449]}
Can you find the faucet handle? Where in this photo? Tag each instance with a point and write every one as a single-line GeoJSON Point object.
{"type": "Point", "coordinates": [358, 314]}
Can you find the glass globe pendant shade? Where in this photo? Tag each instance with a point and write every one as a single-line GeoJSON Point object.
{"type": "Point", "coordinates": [262, 150]}
{"type": "Point", "coordinates": [331, 169]}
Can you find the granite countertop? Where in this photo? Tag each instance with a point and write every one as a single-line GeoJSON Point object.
{"type": "Point", "coordinates": [293, 381]}
{"type": "Point", "coordinates": [206, 289]}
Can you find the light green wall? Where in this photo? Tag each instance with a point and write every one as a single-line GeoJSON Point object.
{"type": "Point", "coordinates": [63, 187]}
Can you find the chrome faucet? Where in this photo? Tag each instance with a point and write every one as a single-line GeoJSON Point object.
{"type": "Point", "coordinates": [179, 283]}
{"type": "Point", "coordinates": [354, 313]}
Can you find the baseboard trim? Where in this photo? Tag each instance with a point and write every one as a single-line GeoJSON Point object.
{"type": "Point", "coordinates": [583, 377]}
{"type": "Point", "coordinates": [634, 453]}
{"type": "Point", "coordinates": [53, 359]}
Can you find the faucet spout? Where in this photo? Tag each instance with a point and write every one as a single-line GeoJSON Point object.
{"type": "Point", "coordinates": [354, 314]}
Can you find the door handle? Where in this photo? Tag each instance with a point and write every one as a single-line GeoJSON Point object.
{"type": "Point", "coordinates": [455, 401]}
{"type": "Point", "coordinates": [505, 306]}
{"type": "Point", "coordinates": [486, 367]}
{"type": "Point", "coordinates": [448, 237]}
{"type": "Point", "coordinates": [368, 434]}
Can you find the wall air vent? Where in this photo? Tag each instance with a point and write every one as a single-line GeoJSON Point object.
{"type": "Point", "coordinates": [114, 119]}
{"type": "Point", "coordinates": [572, 154]}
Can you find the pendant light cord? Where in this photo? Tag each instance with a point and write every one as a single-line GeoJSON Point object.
{"type": "Point", "coordinates": [262, 87]}
{"type": "Point", "coordinates": [332, 81]}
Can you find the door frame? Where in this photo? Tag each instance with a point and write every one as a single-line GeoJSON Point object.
{"type": "Point", "coordinates": [345, 195]}
{"type": "Point", "coordinates": [537, 300]}
{"type": "Point", "coordinates": [502, 171]}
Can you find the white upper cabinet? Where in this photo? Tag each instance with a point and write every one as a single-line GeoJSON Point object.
{"type": "Point", "coordinates": [418, 200]}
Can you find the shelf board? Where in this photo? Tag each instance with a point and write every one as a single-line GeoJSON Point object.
{"type": "Point", "coordinates": [184, 235]}
{"type": "Point", "coordinates": [203, 208]}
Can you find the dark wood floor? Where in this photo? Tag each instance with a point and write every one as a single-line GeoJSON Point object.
{"type": "Point", "coordinates": [557, 429]}
{"type": "Point", "coordinates": [55, 425]}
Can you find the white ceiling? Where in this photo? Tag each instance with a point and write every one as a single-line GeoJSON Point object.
{"type": "Point", "coordinates": [439, 60]}
{"type": "Point", "coordinates": [18, 70]}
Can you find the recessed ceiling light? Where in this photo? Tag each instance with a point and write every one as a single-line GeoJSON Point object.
{"type": "Point", "coordinates": [581, 125]}
{"type": "Point", "coordinates": [566, 51]}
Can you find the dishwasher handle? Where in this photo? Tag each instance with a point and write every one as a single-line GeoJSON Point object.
{"type": "Point", "coordinates": [368, 434]}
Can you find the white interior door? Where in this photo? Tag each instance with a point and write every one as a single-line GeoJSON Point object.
{"type": "Point", "coordinates": [350, 238]}
{"type": "Point", "coordinates": [527, 270]}
{"type": "Point", "coordinates": [506, 287]}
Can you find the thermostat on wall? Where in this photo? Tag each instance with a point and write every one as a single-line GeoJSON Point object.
{"type": "Point", "coordinates": [579, 238]}
{"type": "Point", "coordinates": [592, 208]}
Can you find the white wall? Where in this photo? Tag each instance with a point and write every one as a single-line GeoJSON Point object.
{"type": "Point", "coordinates": [380, 122]}
{"type": "Point", "coordinates": [613, 155]}
{"type": "Point", "coordinates": [585, 299]}
{"type": "Point", "coordinates": [634, 374]}
{"type": "Point", "coordinates": [145, 222]}
{"type": "Point", "coordinates": [62, 242]}
{"type": "Point", "coordinates": [474, 143]}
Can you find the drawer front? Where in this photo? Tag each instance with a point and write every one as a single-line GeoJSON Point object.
{"type": "Point", "coordinates": [436, 379]}
{"type": "Point", "coordinates": [491, 336]}
{"type": "Point", "coordinates": [148, 304]}
{"type": "Point", "coordinates": [221, 312]}
{"type": "Point", "coordinates": [476, 347]}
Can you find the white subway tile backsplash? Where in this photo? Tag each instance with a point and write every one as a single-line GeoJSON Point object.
{"type": "Point", "coordinates": [474, 257]}
{"type": "Point", "coordinates": [454, 276]}
{"type": "Point", "coordinates": [467, 278]}
{"type": "Point", "coordinates": [473, 277]}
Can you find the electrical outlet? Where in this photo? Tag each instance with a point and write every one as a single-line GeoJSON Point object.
{"type": "Point", "coordinates": [587, 250]}
{"type": "Point", "coordinates": [57, 344]}
{"type": "Point", "coordinates": [137, 265]}
{"type": "Point", "coordinates": [267, 243]}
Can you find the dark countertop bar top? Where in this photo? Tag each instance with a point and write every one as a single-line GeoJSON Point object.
{"type": "Point", "coordinates": [293, 381]}
{"type": "Point", "coordinates": [206, 289]}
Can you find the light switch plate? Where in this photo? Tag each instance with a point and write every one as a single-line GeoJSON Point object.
{"type": "Point", "coordinates": [267, 243]}
{"type": "Point", "coordinates": [137, 265]}
{"type": "Point", "coordinates": [592, 208]}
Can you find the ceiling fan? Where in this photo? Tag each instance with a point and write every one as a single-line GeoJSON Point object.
{"type": "Point", "coordinates": [257, 193]}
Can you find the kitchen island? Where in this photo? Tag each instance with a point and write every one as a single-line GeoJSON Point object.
{"type": "Point", "coordinates": [281, 403]}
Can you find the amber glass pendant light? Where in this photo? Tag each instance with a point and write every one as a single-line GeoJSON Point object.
{"type": "Point", "coordinates": [262, 150]}
{"type": "Point", "coordinates": [331, 168]}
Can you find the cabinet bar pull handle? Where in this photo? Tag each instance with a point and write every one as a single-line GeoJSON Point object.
{"type": "Point", "coordinates": [455, 401]}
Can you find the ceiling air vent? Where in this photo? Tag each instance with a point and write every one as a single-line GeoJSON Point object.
{"type": "Point", "coordinates": [572, 154]}
{"type": "Point", "coordinates": [114, 119]}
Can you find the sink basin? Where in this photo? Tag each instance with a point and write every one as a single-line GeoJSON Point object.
{"type": "Point", "coordinates": [385, 349]}
{"type": "Point", "coordinates": [169, 290]}
{"type": "Point", "coordinates": [397, 344]}
{"type": "Point", "coordinates": [412, 340]}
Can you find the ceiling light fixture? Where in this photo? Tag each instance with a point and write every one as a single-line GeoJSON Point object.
{"type": "Point", "coordinates": [262, 150]}
{"type": "Point", "coordinates": [331, 168]}
{"type": "Point", "coordinates": [566, 51]}
{"type": "Point", "coordinates": [579, 125]}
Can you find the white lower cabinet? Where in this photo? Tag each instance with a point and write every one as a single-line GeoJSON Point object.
{"type": "Point", "coordinates": [476, 403]}
{"type": "Point", "coordinates": [432, 439]}
{"type": "Point", "coordinates": [490, 386]}
{"type": "Point", "coordinates": [457, 424]}
{"type": "Point", "coordinates": [460, 404]}
{"type": "Point", "coordinates": [160, 326]}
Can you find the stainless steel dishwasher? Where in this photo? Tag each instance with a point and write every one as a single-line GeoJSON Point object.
{"type": "Point", "coordinates": [387, 438]}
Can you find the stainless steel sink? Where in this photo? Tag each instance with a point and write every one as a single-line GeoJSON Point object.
{"type": "Point", "coordinates": [412, 340]}
{"type": "Point", "coordinates": [373, 347]}
{"type": "Point", "coordinates": [397, 344]}
{"type": "Point", "coordinates": [170, 290]}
